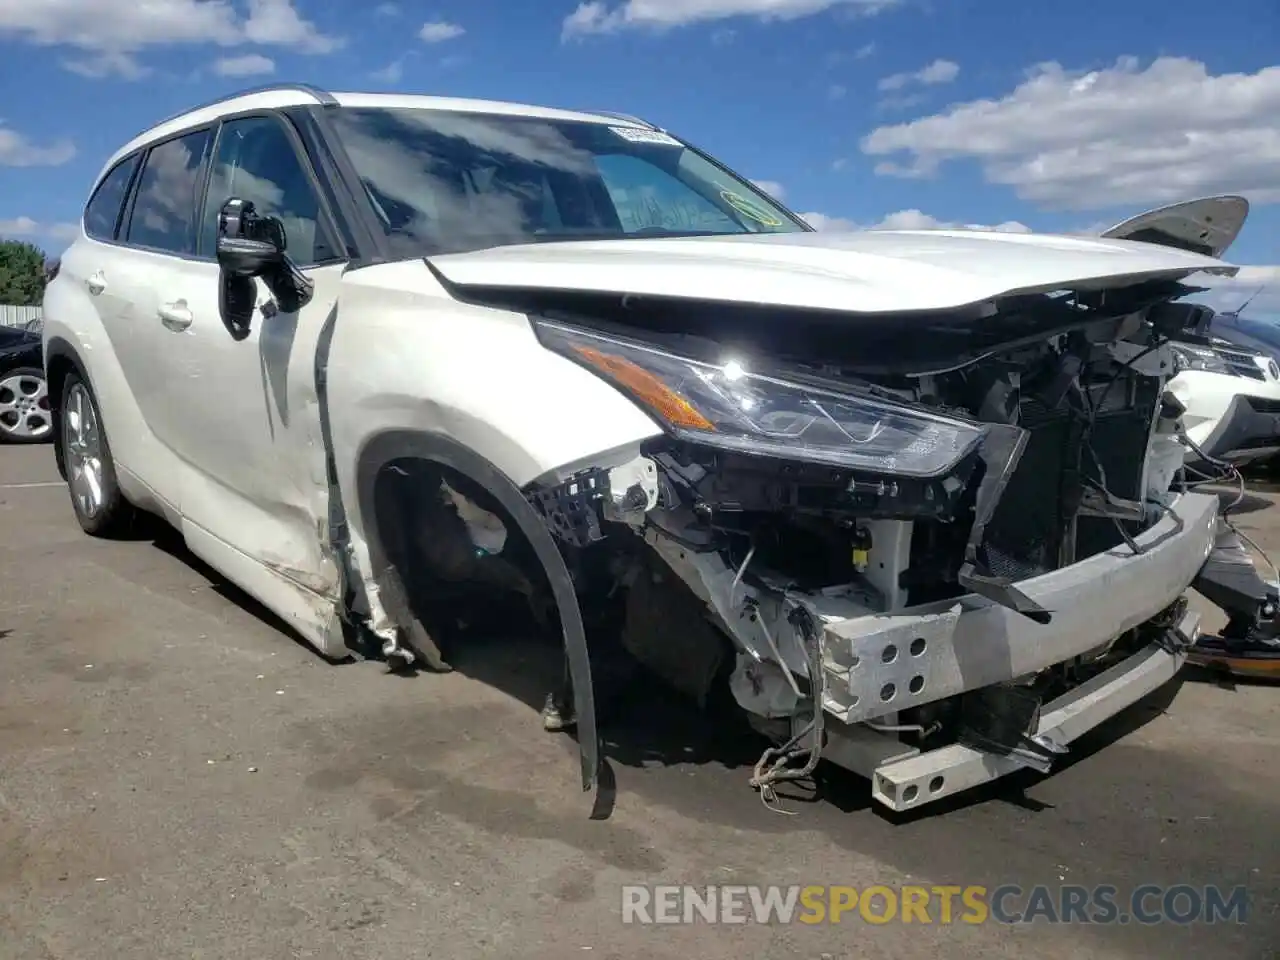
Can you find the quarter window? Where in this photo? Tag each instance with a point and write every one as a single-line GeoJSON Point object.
{"type": "Point", "coordinates": [163, 216]}
{"type": "Point", "coordinates": [256, 161]}
{"type": "Point", "coordinates": [103, 212]}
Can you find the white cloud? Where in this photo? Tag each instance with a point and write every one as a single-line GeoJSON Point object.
{"type": "Point", "coordinates": [25, 227]}
{"type": "Point", "coordinates": [837, 91]}
{"type": "Point", "coordinates": [864, 51]}
{"type": "Point", "coordinates": [112, 31]}
{"type": "Point", "coordinates": [110, 63]}
{"type": "Point", "coordinates": [250, 65]}
{"type": "Point", "coordinates": [99, 25]}
{"type": "Point", "coordinates": [386, 10]}
{"type": "Point", "coordinates": [909, 220]}
{"type": "Point", "coordinates": [1115, 137]}
{"type": "Point", "coordinates": [17, 150]}
{"type": "Point", "coordinates": [820, 221]}
{"type": "Point", "coordinates": [438, 31]}
{"type": "Point", "coordinates": [771, 187]}
{"type": "Point", "coordinates": [602, 16]}
{"type": "Point", "coordinates": [1260, 283]}
{"type": "Point", "coordinates": [278, 23]}
{"type": "Point", "coordinates": [391, 73]}
{"type": "Point", "coordinates": [938, 72]}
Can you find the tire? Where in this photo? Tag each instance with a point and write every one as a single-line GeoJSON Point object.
{"type": "Point", "coordinates": [24, 406]}
{"type": "Point", "coordinates": [96, 497]}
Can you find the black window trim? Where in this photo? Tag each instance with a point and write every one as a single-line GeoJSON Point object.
{"type": "Point", "coordinates": [336, 179]}
{"type": "Point", "coordinates": [122, 229]}
{"type": "Point", "coordinates": [134, 156]}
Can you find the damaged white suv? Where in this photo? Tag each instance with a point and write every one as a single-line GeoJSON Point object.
{"type": "Point", "coordinates": [909, 495]}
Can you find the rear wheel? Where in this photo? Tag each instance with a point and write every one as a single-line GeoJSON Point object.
{"type": "Point", "coordinates": [24, 406]}
{"type": "Point", "coordinates": [100, 506]}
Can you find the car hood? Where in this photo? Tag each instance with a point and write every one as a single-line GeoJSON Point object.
{"type": "Point", "coordinates": [873, 271]}
{"type": "Point", "coordinates": [1208, 225]}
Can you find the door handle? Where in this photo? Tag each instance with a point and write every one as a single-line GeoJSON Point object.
{"type": "Point", "coordinates": [175, 316]}
{"type": "Point", "coordinates": [96, 283]}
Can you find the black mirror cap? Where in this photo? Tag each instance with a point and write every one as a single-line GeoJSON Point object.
{"type": "Point", "coordinates": [239, 257]}
{"type": "Point", "coordinates": [248, 245]}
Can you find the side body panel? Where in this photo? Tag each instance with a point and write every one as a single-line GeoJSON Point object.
{"type": "Point", "coordinates": [406, 356]}
{"type": "Point", "coordinates": [243, 422]}
{"type": "Point", "coordinates": [97, 329]}
{"type": "Point", "coordinates": [412, 373]}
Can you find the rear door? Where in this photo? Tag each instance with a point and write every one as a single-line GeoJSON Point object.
{"type": "Point", "coordinates": [86, 264]}
{"type": "Point", "coordinates": [156, 239]}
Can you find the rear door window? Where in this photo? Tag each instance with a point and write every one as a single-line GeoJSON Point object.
{"type": "Point", "coordinates": [102, 215]}
{"type": "Point", "coordinates": [164, 207]}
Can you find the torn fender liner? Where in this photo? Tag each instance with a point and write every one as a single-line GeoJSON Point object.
{"type": "Point", "coordinates": [441, 450]}
{"type": "Point", "coordinates": [1000, 451]}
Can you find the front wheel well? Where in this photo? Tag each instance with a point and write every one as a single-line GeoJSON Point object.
{"type": "Point", "coordinates": [393, 453]}
{"type": "Point", "coordinates": [425, 537]}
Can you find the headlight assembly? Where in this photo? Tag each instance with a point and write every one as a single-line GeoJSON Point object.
{"type": "Point", "coordinates": [1188, 357]}
{"type": "Point", "coordinates": [729, 407]}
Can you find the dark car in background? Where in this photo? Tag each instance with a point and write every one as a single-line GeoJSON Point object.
{"type": "Point", "coordinates": [1261, 335]}
{"type": "Point", "coordinates": [24, 397]}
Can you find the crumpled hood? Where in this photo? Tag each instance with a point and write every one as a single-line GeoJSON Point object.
{"type": "Point", "coordinates": [873, 271]}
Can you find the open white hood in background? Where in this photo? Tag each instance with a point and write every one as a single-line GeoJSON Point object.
{"type": "Point", "coordinates": [1209, 225]}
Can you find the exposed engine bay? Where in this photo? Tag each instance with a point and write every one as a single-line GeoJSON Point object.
{"type": "Point", "coordinates": [857, 570]}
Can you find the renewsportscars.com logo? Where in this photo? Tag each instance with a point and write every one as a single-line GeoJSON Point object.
{"type": "Point", "coordinates": [1010, 904]}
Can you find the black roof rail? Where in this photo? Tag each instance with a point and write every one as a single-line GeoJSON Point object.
{"type": "Point", "coordinates": [323, 97]}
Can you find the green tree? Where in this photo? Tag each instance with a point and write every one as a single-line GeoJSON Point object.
{"type": "Point", "coordinates": [21, 273]}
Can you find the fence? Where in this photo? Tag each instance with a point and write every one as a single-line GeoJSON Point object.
{"type": "Point", "coordinates": [11, 316]}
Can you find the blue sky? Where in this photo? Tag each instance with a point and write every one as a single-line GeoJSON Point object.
{"type": "Point", "coordinates": [1054, 117]}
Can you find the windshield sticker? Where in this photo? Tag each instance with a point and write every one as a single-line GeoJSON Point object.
{"type": "Point", "coordinates": [749, 209]}
{"type": "Point", "coordinates": [640, 135]}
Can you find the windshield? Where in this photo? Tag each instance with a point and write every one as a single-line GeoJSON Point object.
{"type": "Point", "coordinates": [445, 182]}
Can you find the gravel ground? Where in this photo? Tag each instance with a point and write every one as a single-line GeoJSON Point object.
{"type": "Point", "coordinates": [179, 778]}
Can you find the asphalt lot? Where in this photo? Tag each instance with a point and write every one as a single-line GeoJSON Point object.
{"type": "Point", "coordinates": [180, 779]}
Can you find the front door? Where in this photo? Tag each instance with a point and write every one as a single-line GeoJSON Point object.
{"type": "Point", "coordinates": [250, 430]}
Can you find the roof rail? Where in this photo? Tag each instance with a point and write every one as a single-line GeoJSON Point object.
{"type": "Point", "coordinates": [323, 97]}
{"type": "Point", "coordinates": [623, 116]}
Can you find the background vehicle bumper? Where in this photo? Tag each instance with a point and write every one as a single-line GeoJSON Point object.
{"type": "Point", "coordinates": [1249, 430]}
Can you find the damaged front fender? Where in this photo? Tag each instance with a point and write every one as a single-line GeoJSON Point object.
{"type": "Point", "coordinates": [385, 584]}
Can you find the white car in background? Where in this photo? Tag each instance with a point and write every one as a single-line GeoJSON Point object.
{"type": "Point", "coordinates": [904, 495]}
{"type": "Point", "coordinates": [1231, 393]}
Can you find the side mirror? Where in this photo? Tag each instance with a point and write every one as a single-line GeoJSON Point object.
{"type": "Point", "coordinates": [249, 246]}
{"type": "Point", "coordinates": [246, 258]}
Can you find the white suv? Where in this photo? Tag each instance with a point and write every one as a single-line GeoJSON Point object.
{"type": "Point", "coordinates": [905, 495]}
